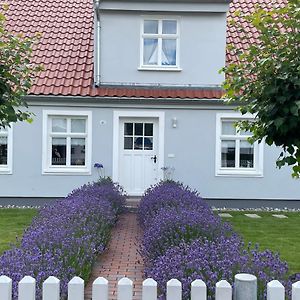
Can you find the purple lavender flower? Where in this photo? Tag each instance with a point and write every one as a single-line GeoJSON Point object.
{"type": "Point", "coordinates": [98, 166]}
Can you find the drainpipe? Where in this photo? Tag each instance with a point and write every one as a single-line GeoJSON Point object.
{"type": "Point", "coordinates": [97, 44]}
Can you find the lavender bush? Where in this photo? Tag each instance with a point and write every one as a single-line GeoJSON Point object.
{"type": "Point", "coordinates": [183, 239]}
{"type": "Point", "coordinates": [66, 237]}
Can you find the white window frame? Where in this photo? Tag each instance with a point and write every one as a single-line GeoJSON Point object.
{"type": "Point", "coordinates": [47, 150]}
{"type": "Point", "coordinates": [257, 170]}
{"type": "Point", "coordinates": [7, 169]}
{"type": "Point", "coordinates": [160, 36]}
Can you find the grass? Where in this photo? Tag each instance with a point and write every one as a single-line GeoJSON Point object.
{"type": "Point", "coordinates": [278, 235]}
{"type": "Point", "coordinates": [13, 221]}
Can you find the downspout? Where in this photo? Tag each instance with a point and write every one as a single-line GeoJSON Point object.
{"type": "Point", "coordinates": [97, 44]}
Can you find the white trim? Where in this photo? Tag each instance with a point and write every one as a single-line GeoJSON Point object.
{"type": "Point", "coordinates": [159, 67]}
{"type": "Point", "coordinates": [116, 135]}
{"type": "Point", "coordinates": [257, 171]}
{"type": "Point", "coordinates": [7, 169]}
{"type": "Point", "coordinates": [47, 169]}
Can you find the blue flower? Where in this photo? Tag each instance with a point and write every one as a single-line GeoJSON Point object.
{"type": "Point", "coordinates": [98, 166]}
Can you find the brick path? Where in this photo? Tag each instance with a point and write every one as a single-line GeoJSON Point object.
{"type": "Point", "coordinates": [121, 259]}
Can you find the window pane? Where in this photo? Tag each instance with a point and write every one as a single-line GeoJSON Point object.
{"type": "Point", "coordinates": [169, 27]}
{"type": "Point", "coordinates": [59, 151]}
{"type": "Point", "coordinates": [150, 51]}
{"type": "Point", "coordinates": [151, 26]}
{"type": "Point", "coordinates": [148, 143]}
{"type": "Point", "coordinates": [168, 57]}
{"type": "Point", "coordinates": [59, 125]}
{"type": "Point", "coordinates": [246, 155]}
{"type": "Point", "coordinates": [138, 129]}
{"type": "Point", "coordinates": [3, 150]}
{"type": "Point", "coordinates": [243, 132]}
{"type": "Point", "coordinates": [149, 129]}
{"type": "Point", "coordinates": [228, 128]}
{"type": "Point", "coordinates": [128, 129]}
{"type": "Point", "coordinates": [138, 143]}
{"type": "Point", "coordinates": [3, 129]}
{"type": "Point", "coordinates": [78, 125]}
{"type": "Point", "coordinates": [228, 154]}
{"type": "Point", "coordinates": [77, 152]}
{"type": "Point", "coordinates": [128, 143]}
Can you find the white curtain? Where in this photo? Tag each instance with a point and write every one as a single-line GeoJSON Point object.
{"type": "Point", "coordinates": [168, 52]}
{"type": "Point", "coordinates": [150, 51]}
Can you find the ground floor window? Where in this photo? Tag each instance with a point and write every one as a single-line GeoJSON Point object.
{"type": "Point", "coordinates": [5, 150]}
{"type": "Point", "coordinates": [235, 155]}
{"type": "Point", "coordinates": [67, 141]}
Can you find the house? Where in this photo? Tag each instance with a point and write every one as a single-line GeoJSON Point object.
{"type": "Point", "coordinates": [134, 85]}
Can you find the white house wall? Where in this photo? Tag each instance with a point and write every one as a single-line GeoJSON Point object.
{"type": "Point", "coordinates": [192, 145]}
{"type": "Point", "coordinates": [202, 44]}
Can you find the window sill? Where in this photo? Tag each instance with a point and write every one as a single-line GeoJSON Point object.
{"type": "Point", "coordinates": [238, 173]}
{"type": "Point", "coordinates": [5, 171]}
{"type": "Point", "coordinates": [159, 68]}
{"type": "Point", "coordinates": [67, 171]}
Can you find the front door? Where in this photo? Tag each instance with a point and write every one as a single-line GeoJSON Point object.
{"type": "Point", "coordinates": [138, 154]}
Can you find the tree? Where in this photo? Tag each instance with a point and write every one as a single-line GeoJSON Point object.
{"type": "Point", "coordinates": [265, 81]}
{"type": "Point", "coordinates": [16, 74]}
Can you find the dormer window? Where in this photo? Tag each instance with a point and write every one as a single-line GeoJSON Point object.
{"type": "Point", "coordinates": [159, 44]}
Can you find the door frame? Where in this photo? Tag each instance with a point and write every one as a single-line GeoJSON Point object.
{"type": "Point", "coordinates": [118, 114]}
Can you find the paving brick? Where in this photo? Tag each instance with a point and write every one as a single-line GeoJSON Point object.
{"type": "Point", "coordinates": [121, 258]}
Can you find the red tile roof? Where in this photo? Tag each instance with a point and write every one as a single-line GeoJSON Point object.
{"type": "Point", "coordinates": [66, 49]}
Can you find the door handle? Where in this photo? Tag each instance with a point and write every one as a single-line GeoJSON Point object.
{"type": "Point", "coordinates": [154, 158]}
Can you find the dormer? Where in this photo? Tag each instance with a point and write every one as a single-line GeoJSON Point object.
{"type": "Point", "coordinates": [159, 43]}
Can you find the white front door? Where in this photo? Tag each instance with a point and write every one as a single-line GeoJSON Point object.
{"type": "Point", "coordinates": [138, 154]}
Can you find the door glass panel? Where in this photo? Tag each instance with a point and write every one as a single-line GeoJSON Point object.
{"type": "Point", "coordinates": [128, 143]}
{"type": "Point", "coordinates": [78, 125]}
{"type": "Point", "coordinates": [138, 143]}
{"type": "Point", "coordinates": [128, 129]}
{"type": "Point", "coordinates": [3, 150]}
{"type": "Point", "coordinates": [246, 155]}
{"type": "Point", "coordinates": [138, 129]}
{"type": "Point", "coordinates": [148, 143]}
{"type": "Point", "coordinates": [77, 152]}
{"type": "Point", "coordinates": [228, 128]}
{"type": "Point", "coordinates": [59, 125]}
{"type": "Point", "coordinates": [228, 154]}
{"type": "Point", "coordinates": [59, 150]}
{"type": "Point", "coordinates": [148, 129]}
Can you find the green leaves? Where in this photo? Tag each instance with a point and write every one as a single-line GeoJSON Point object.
{"type": "Point", "coordinates": [266, 80]}
{"type": "Point", "coordinates": [16, 74]}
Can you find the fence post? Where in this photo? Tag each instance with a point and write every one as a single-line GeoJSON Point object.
{"type": "Point", "coordinates": [51, 289]}
{"type": "Point", "coordinates": [100, 289]}
{"type": "Point", "coordinates": [198, 290]}
{"type": "Point", "coordinates": [76, 289]}
{"type": "Point", "coordinates": [125, 289]}
{"type": "Point", "coordinates": [27, 288]}
{"type": "Point", "coordinates": [296, 291]}
{"type": "Point", "coordinates": [174, 290]}
{"type": "Point", "coordinates": [5, 287]}
{"type": "Point", "coordinates": [275, 290]}
{"type": "Point", "coordinates": [223, 290]}
{"type": "Point", "coordinates": [149, 289]}
{"type": "Point", "coordinates": [245, 287]}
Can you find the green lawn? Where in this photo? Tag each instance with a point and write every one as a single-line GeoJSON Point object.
{"type": "Point", "coordinates": [280, 235]}
{"type": "Point", "coordinates": [13, 221]}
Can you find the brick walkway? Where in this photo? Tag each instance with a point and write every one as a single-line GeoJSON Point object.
{"type": "Point", "coordinates": [121, 259]}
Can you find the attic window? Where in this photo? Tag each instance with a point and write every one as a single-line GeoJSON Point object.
{"type": "Point", "coordinates": [160, 43]}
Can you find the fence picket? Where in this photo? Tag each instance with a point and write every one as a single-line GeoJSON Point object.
{"type": "Point", "coordinates": [275, 290]}
{"type": "Point", "coordinates": [149, 289]}
{"type": "Point", "coordinates": [198, 290]}
{"type": "Point", "coordinates": [27, 288]}
{"type": "Point", "coordinates": [125, 289]}
{"type": "Point", "coordinates": [245, 287]}
{"type": "Point", "coordinates": [223, 290]}
{"type": "Point", "coordinates": [100, 289]}
{"type": "Point", "coordinates": [5, 287]}
{"type": "Point", "coordinates": [76, 289]}
{"type": "Point", "coordinates": [174, 290]}
{"type": "Point", "coordinates": [51, 288]}
{"type": "Point", "coordinates": [296, 291]}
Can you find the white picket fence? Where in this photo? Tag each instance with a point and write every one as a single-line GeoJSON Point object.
{"type": "Point", "coordinates": [245, 289]}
